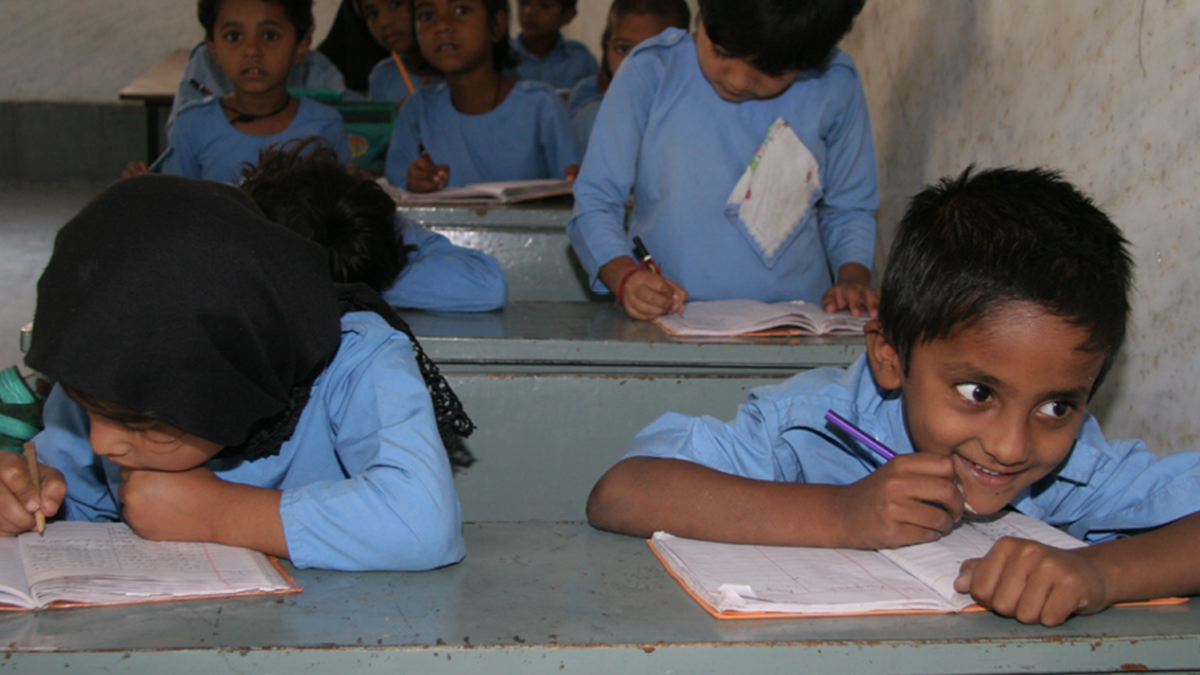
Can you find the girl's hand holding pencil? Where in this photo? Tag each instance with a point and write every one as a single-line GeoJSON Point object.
{"type": "Point", "coordinates": [641, 290]}
{"type": "Point", "coordinates": [425, 176]}
{"type": "Point", "coordinates": [21, 500]}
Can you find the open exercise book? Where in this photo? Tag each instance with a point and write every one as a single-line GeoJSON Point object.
{"type": "Point", "coordinates": [76, 564]}
{"type": "Point", "coordinates": [751, 317]}
{"type": "Point", "coordinates": [734, 581]}
{"type": "Point", "coordinates": [505, 192]}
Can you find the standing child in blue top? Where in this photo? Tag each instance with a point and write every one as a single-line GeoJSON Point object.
{"type": "Point", "coordinates": [478, 126]}
{"type": "Point", "coordinates": [749, 154]}
{"type": "Point", "coordinates": [255, 42]}
{"type": "Point", "coordinates": [343, 210]}
{"type": "Point", "coordinates": [630, 23]}
{"type": "Point", "coordinates": [405, 71]}
{"type": "Point", "coordinates": [1004, 304]}
{"type": "Point", "coordinates": [545, 55]}
{"type": "Point", "coordinates": [214, 385]}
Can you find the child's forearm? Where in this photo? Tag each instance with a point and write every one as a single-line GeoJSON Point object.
{"type": "Point", "coordinates": [249, 517]}
{"type": "Point", "coordinates": [1156, 564]}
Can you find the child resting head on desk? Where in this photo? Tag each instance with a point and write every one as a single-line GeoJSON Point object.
{"type": "Point", "coordinates": [479, 125]}
{"type": "Point", "coordinates": [748, 148]}
{"type": "Point", "coordinates": [255, 42]}
{"type": "Point", "coordinates": [348, 213]}
{"type": "Point", "coordinates": [214, 385]}
{"type": "Point", "coordinates": [1004, 303]}
{"type": "Point", "coordinates": [391, 24]}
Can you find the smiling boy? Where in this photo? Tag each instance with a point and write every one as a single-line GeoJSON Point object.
{"type": "Point", "coordinates": [1005, 300]}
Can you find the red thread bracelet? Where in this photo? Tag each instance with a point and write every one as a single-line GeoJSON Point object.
{"type": "Point", "coordinates": [621, 286]}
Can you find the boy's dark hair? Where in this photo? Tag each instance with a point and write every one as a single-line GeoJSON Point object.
{"type": "Point", "coordinates": [567, 5]}
{"type": "Point", "coordinates": [777, 36]}
{"type": "Point", "coordinates": [503, 56]}
{"type": "Point", "coordinates": [676, 12]}
{"type": "Point", "coordinates": [299, 12]}
{"type": "Point", "coordinates": [304, 187]}
{"type": "Point", "coordinates": [973, 243]}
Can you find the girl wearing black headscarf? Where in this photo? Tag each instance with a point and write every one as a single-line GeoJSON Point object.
{"type": "Point", "coordinates": [215, 386]}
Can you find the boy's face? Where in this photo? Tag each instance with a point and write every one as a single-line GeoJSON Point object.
{"type": "Point", "coordinates": [390, 23]}
{"type": "Point", "coordinates": [456, 36]}
{"type": "Point", "coordinates": [629, 31]}
{"type": "Point", "coordinates": [736, 79]}
{"type": "Point", "coordinates": [540, 18]}
{"type": "Point", "coordinates": [256, 44]}
{"type": "Point", "coordinates": [1004, 398]}
{"type": "Point", "coordinates": [154, 446]}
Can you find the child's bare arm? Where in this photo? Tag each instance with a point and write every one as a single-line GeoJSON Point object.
{"type": "Point", "coordinates": [19, 501]}
{"type": "Point", "coordinates": [1034, 583]}
{"type": "Point", "coordinates": [853, 291]}
{"type": "Point", "coordinates": [425, 176]}
{"type": "Point", "coordinates": [645, 295]}
{"type": "Point", "coordinates": [892, 507]}
{"type": "Point", "coordinates": [196, 505]}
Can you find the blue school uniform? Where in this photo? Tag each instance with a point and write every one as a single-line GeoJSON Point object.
{"type": "Point", "coordinates": [443, 277]}
{"type": "Point", "coordinates": [566, 64]}
{"type": "Point", "coordinates": [582, 105]}
{"type": "Point", "coordinates": [527, 136]}
{"type": "Point", "coordinates": [316, 71]}
{"type": "Point", "coordinates": [205, 145]}
{"type": "Point", "coordinates": [387, 84]}
{"type": "Point", "coordinates": [1103, 489]}
{"type": "Point", "coordinates": [365, 480]}
{"type": "Point", "coordinates": [681, 149]}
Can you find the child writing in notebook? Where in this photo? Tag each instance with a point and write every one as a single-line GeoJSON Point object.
{"type": "Point", "coordinates": [1004, 303]}
{"type": "Point", "coordinates": [478, 126]}
{"type": "Point", "coordinates": [391, 24]}
{"type": "Point", "coordinates": [255, 42]}
{"type": "Point", "coordinates": [749, 154]}
{"type": "Point", "coordinates": [214, 385]}
{"type": "Point", "coordinates": [544, 54]}
{"type": "Point", "coordinates": [630, 22]}
{"type": "Point", "coordinates": [316, 196]}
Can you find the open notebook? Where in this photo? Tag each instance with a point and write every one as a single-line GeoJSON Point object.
{"type": "Point", "coordinates": [76, 564]}
{"type": "Point", "coordinates": [504, 192]}
{"type": "Point", "coordinates": [751, 317]}
{"type": "Point", "coordinates": [734, 581]}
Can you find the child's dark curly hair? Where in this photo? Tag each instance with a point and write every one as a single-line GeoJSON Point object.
{"type": "Point", "coordinates": [299, 12]}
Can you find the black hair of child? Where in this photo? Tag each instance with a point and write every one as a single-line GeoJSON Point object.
{"type": "Point", "coordinates": [778, 36]}
{"type": "Point", "coordinates": [302, 186]}
{"type": "Point", "coordinates": [973, 243]}
{"type": "Point", "coordinates": [567, 5]}
{"type": "Point", "coordinates": [676, 12]}
{"type": "Point", "coordinates": [503, 56]}
{"type": "Point", "coordinates": [299, 12]}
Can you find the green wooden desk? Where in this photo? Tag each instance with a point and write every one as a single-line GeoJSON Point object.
{"type": "Point", "coordinates": [529, 241]}
{"type": "Point", "coordinates": [559, 389]}
{"type": "Point", "coordinates": [553, 598]}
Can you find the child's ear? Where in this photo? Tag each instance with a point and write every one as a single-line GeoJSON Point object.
{"type": "Point", "coordinates": [883, 357]}
{"type": "Point", "coordinates": [302, 47]}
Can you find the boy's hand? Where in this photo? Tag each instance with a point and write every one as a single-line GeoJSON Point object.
{"type": "Point", "coordinates": [19, 501]}
{"type": "Point", "coordinates": [649, 296]}
{"type": "Point", "coordinates": [425, 176]}
{"type": "Point", "coordinates": [134, 169]}
{"type": "Point", "coordinates": [852, 291]}
{"type": "Point", "coordinates": [1034, 583]}
{"type": "Point", "coordinates": [913, 499]}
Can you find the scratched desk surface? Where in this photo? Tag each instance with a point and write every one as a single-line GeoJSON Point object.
{"type": "Point", "coordinates": [541, 597]}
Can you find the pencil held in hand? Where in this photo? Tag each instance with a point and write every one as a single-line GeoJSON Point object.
{"type": "Point", "coordinates": [35, 476]}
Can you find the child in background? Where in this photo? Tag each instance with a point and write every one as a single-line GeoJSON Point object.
{"type": "Point", "coordinates": [214, 385]}
{"type": "Point", "coordinates": [402, 73]}
{"type": "Point", "coordinates": [1005, 301]}
{"type": "Point", "coordinates": [314, 195]}
{"type": "Point", "coordinates": [255, 42]}
{"type": "Point", "coordinates": [479, 126]}
{"type": "Point", "coordinates": [544, 54]}
{"type": "Point", "coordinates": [683, 125]}
{"type": "Point", "coordinates": [630, 22]}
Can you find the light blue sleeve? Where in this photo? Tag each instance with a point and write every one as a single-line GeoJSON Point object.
{"type": "Point", "coordinates": [64, 445]}
{"type": "Point", "coordinates": [398, 509]}
{"type": "Point", "coordinates": [597, 229]}
{"type": "Point", "coordinates": [443, 277]}
{"type": "Point", "coordinates": [184, 159]}
{"type": "Point", "coordinates": [846, 215]}
{"type": "Point", "coordinates": [402, 149]}
{"type": "Point", "coordinates": [557, 136]}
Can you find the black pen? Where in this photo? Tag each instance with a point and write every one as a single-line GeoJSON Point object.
{"type": "Point", "coordinates": [644, 256]}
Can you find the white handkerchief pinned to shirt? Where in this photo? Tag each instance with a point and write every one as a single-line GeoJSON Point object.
{"type": "Point", "coordinates": [777, 188]}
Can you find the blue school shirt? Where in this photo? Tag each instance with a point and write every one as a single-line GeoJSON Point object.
{"type": "Point", "coordinates": [664, 133]}
{"type": "Point", "coordinates": [443, 277]}
{"type": "Point", "coordinates": [566, 64]}
{"type": "Point", "coordinates": [205, 145]}
{"type": "Point", "coordinates": [365, 479]}
{"type": "Point", "coordinates": [385, 82]}
{"type": "Point", "coordinates": [582, 105]}
{"type": "Point", "coordinates": [527, 136]}
{"type": "Point", "coordinates": [316, 71]}
{"type": "Point", "coordinates": [1103, 489]}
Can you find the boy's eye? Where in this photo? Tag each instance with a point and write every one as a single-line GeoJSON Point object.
{"type": "Point", "coordinates": [271, 35]}
{"type": "Point", "coordinates": [1056, 409]}
{"type": "Point", "coordinates": [975, 393]}
{"type": "Point", "coordinates": [232, 36]}
{"type": "Point", "coordinates": [621, 49]}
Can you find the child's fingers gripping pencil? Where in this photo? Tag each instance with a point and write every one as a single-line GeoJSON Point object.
{"type": "Point", "coordinates": [35, 476]}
